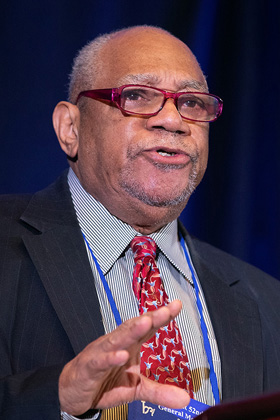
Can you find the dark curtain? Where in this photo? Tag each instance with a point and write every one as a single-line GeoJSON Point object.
{"type": "Point", "coordinates": [237, 206]}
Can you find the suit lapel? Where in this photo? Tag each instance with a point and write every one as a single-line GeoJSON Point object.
{"type": "Point", "coordinates": [61, 261]}
{"type": "Point", "coordinates": [60, 258]}
{"type": "Point", "coordinates": [236, 323]}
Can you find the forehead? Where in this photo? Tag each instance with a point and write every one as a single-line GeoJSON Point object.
{"type": "Point", "coordinates": [148, 57]}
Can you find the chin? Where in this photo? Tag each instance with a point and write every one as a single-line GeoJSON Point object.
{"type": "Point", "coordinates": [164, 201]}
{"type": "Point", "coordinates": [170, 195]}
{"type": "Point", "coordinates": [151, 218]}
{"type": "Point", "coordinates": [157, 199]}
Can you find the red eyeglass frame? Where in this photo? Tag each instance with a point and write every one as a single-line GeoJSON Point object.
{"type": "Point", "coordinates": [114, 95]}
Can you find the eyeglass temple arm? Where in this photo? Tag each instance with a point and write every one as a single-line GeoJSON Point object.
{"type": "Point", "coordinates": [106, 94]}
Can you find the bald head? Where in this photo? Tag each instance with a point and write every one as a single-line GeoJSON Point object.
{"type": "Point", "coordinates": [100, 57]}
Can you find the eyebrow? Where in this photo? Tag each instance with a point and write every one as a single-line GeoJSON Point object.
{"type": "Point", "coordinates": [193, 85]}
{"type": "Point", "coordinates": [153, 79]}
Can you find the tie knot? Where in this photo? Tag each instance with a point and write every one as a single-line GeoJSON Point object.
{"type": "Point", "coordinates": [143, 246]}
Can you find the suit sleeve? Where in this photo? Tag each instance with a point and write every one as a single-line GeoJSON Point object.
{"type": "Point", "coordinates": [30, 395]}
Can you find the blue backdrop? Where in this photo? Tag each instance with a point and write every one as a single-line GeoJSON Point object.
{"type": "Point", "coordinates": [237, 206]}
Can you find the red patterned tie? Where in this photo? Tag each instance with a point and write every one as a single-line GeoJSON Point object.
{"type": "Point", "coordinates": [163, 357]}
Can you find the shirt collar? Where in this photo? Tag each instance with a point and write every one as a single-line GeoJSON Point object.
{"type": "Point", "coordinates": [167, 239]}
{"type": "Point", "coordinates": [109, 237]}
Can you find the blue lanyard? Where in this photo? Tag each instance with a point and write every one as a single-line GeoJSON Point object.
{"type": "Point", "coordinates": [212, 374]}
{"type": "Point", "coordinates": [106, 287]}
{"type": "Point", "coordinates": [213, 377]}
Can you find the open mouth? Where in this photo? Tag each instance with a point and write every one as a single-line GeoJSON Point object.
{"type": "Point", "coordinates": [167, 156]}
{"type": "Point", "coordinates": [165, 153]}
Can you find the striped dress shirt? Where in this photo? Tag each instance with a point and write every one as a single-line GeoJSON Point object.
{"type": "Point", "coordinates": [109, 240]}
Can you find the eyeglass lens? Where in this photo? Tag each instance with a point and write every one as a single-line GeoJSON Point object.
{"type": "Point", "coordinates": [145, 100]}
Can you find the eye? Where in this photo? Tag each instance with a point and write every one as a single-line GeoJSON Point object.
{"type": "Point", "coordinates": [135, 95]}
{"type": "Point", "coordinates": [192, 102]}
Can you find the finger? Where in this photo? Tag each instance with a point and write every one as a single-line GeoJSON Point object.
{"type": "Point", "coordinates": [139, 329]}
{"type": "Point", "coordinates": [165, 314]}
{"type": "Point", "coordinates": [167, 395]}
{"type": "Point", "coordinates": [116, 348]}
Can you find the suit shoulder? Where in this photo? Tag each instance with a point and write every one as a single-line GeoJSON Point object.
{"type": "Point", "coordinates": [12, 206]}
{"type": "Point", "coordinates": [231, 267]}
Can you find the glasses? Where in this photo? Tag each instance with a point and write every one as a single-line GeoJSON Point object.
{"type": "Point", "coordinates": [148, 101]}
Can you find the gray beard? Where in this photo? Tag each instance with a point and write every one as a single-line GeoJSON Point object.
{"type": "Point", "coordinates": [137, 191]}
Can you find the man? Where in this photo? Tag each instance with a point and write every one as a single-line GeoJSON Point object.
{"type": "Point", "coordinates": [135, 159]}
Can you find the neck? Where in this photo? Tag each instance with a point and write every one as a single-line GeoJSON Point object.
{"type": "Point", "coordinates": [146, 230]}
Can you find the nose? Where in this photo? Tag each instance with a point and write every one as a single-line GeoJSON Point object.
{"type": "Point", "coordinates": [168, 119]}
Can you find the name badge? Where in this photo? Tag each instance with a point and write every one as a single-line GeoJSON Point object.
{"type": "Point", "coordinates": [145, 410]}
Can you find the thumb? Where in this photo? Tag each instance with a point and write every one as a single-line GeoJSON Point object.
{"type": "Point", "coordinates": [167, 395]}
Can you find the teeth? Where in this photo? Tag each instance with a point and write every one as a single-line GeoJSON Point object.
{"type": "Point", "coordinates": [166, 153]}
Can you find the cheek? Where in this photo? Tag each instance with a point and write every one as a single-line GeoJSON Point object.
{"type": "Point", "coordinates": [202, 145]}
{"type": "Point", "coordinates": [117, 139]}
{"type": "Point", "coordinates": [204, 154]}
{"type": "Point", "coordinates": [96, 142]}
{"type": "Point", "coordinates": [111, 150]}
{"type": "Point", "coordinates": [200, 134]}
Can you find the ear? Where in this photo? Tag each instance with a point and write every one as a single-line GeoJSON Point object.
{"type": "Point", "coordinates": [66, 121]}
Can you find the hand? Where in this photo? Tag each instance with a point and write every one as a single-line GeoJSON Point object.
{"type": "Point", "coordinates": [107, 372]}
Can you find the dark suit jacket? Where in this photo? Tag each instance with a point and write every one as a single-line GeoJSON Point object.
{"type": "Point", "coordinates": [50, 312]}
